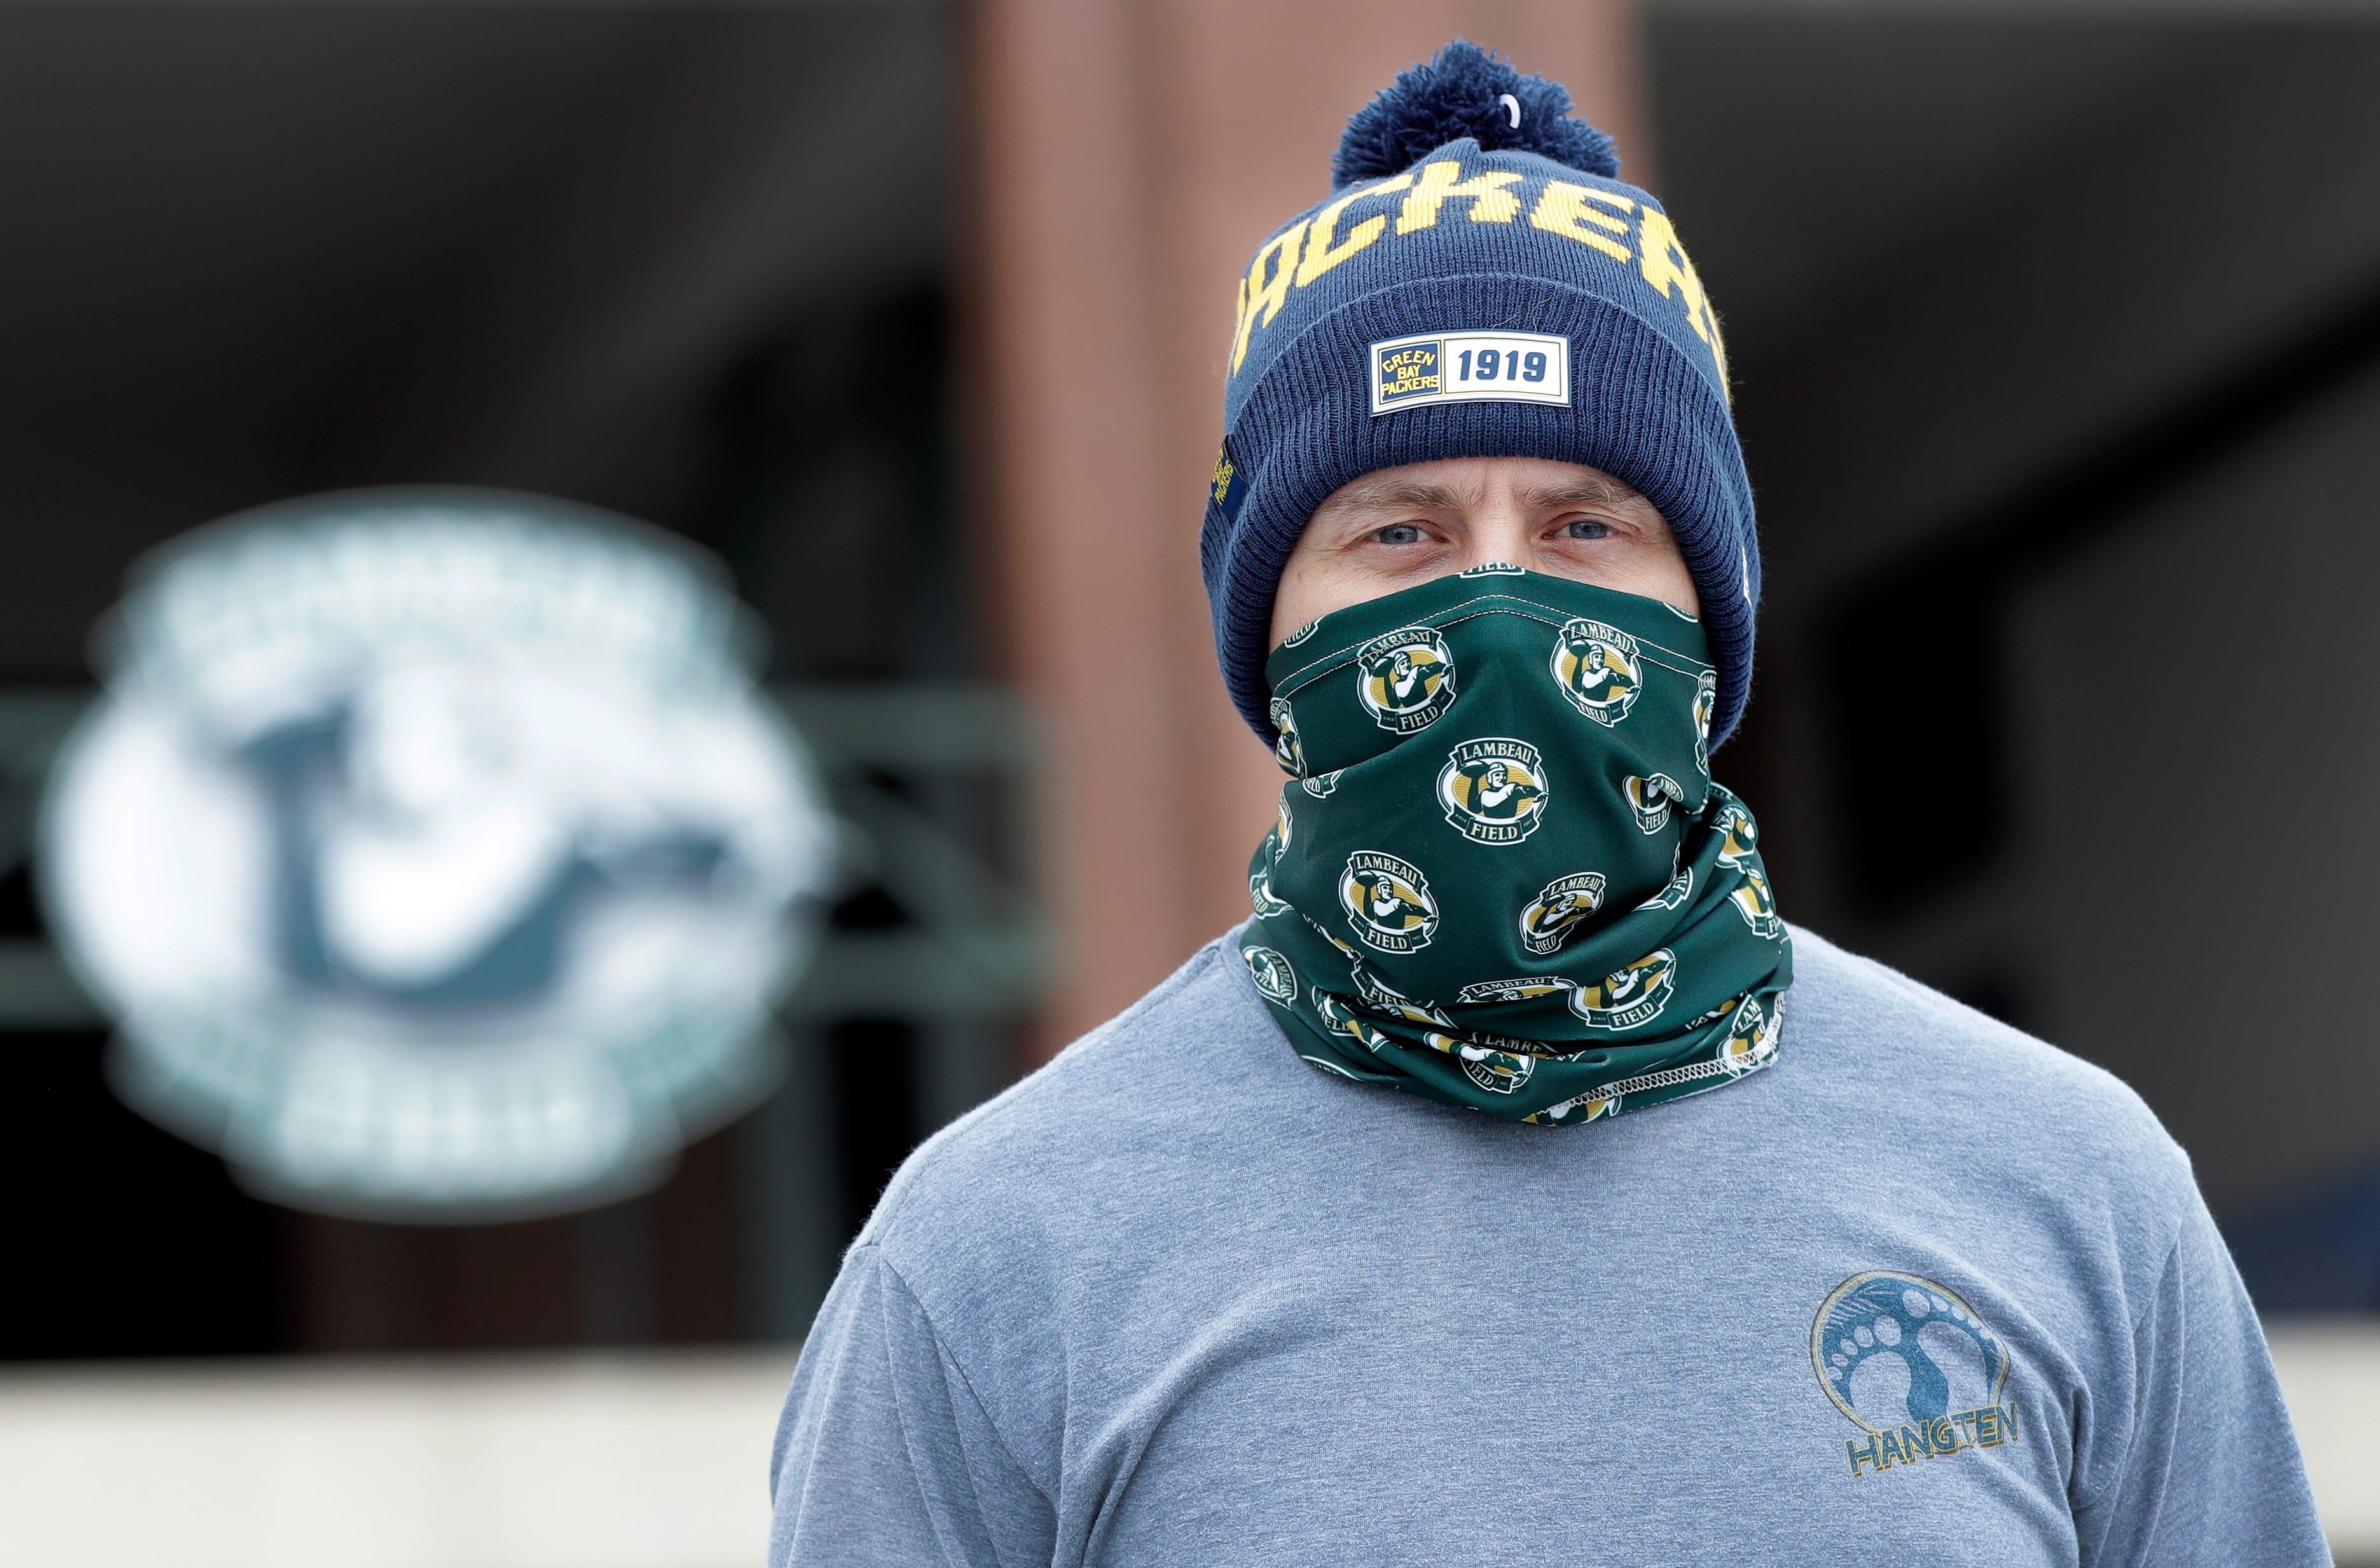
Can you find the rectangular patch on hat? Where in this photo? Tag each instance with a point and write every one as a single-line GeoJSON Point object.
{"type": "Point", "coordinates": [1470, 367]}
{"type": "Point", "coordinates": [1231, 486]}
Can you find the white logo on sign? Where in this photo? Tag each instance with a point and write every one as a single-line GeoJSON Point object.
{"type": "Point", "coordinates": [435, 852]}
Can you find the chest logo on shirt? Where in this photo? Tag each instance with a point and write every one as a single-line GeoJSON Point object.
{"type": "Point", "coordinates": [1914, 1368]}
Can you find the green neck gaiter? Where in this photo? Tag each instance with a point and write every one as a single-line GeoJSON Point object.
{"type": "Point", "coordinates": [1503, 877]}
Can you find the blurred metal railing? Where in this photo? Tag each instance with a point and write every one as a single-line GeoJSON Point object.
{"type": "Point", "coordinates": [900, 761]}
{"type": "Point", "coordinates": [910, 767]}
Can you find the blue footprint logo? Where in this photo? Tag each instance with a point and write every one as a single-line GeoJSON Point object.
{"type": "Point", "coordinates": [1893, 1348]}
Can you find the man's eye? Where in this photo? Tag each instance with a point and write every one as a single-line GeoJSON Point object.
{"type": "Point", "coordinates": [1586, 528]}
{"type": "Point", "coordinates": [1398, 534]}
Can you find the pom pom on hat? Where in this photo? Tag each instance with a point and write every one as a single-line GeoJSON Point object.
{"type": "Point", "coordinates": [1467, 91]}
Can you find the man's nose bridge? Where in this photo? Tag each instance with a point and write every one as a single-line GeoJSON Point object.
{"type": "Point", "coordinates": [1494, 532]}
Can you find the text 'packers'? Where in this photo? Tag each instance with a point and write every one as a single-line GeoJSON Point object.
{"type": "Point", "coordinates": [1622, 230]}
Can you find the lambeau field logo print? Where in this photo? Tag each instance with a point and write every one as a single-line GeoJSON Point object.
{"type": "Point", "coordinates": [1494, 789]}
{"type": "Point", "coordinates": [1276, 982]}
{"type": "Point", "coordinates": [1634, 995]}
{"type": "Point", "coordinates": [1650, 797]}
{"type": "Point", "coordinates": [1407, 678]}
{"type": "Point", "coordinates": [1739, 851]}
{"type": "Point", "coordinates": [1754, 901]}
{"type": "Point", "coordinates": [1341, 1018]}
{"type": "Point", "coordinates": [1599, 669]}
{"type": "Point", "coordinates": [1558, 909]}
{"type": "Point", "coordinates": [1520, 988]}
{"type": "Point", "coordinates": [1289, 750]}
{"type": "Point", "coordinates": [1706, 708]}
{"type": "Point", "coordinates": [1498, 1072]}
{"type": "Point", "coordinates": [1750, 1038]}
{"type": "Point", "coordinates": [1382, 997]}
{"type": "Point", "coordinates": [1261, 896]}
{"type": "Point", "coordinates": [1388, 902]}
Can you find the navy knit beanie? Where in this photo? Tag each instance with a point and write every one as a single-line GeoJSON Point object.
{"type": "Point", "coordinates": [1478, 284]}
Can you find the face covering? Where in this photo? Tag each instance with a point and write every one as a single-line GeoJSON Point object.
{"type": "Point", "coordinates": [1501, 876]}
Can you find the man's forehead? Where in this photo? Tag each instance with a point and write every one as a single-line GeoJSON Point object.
{"type": "Point", "coordinates": [1391, 490]}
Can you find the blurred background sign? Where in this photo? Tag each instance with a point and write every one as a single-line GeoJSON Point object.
{"type": "Point", "coordinates": [435, 853]}
{"type": "Point", "coordinates": [2058, 376]}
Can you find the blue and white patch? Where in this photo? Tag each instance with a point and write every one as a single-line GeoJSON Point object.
{"type": "Point", "coordinates": [1231, 486]}
{"type": "Point", "coordinates": [1470, 367]}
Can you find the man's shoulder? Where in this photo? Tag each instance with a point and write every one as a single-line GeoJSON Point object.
{"type": "Point", "coordinates": [1906, 1064]}
{"type": "Point", "coordinates": [1176, 1076]}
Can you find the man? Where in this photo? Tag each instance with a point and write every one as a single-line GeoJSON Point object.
{"type": "Point", "coordinates": [1374, 1236]}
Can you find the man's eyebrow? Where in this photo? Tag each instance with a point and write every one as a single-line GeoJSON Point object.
{"type": "Point", "coordinates": [1390, 495]}
{"type": "Point", "coordinates": [1582, 492]}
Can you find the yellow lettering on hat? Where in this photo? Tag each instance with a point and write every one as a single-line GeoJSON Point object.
{"type": "Point", "coordinates": [1321, 255]}
{"type": "Point", "coordinates": [1491, 202]}
{"type": "Point", "coordinates": [1563, 210]}
{"type": "Point", "coordinates": [1240, 325]}
{"type": "Point", "coordinates": [1666, 266]}
{"type": "Point", "coordinates": [1267, 285]}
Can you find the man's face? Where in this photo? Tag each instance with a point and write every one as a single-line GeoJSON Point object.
{"type": "Point", "coordinates": [1396, 527]}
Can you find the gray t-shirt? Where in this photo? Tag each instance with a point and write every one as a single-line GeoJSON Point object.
{"type": "Point", "coordinates": [1925, 1291]}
